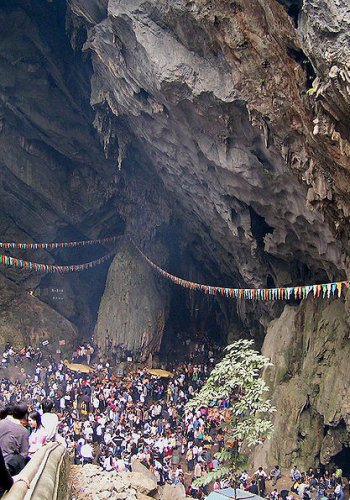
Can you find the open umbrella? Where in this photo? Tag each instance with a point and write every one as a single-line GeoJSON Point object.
{"type": "Point", "coordinates": [160, 373]}
{"type": "Point", "coordinates": [77, 367]}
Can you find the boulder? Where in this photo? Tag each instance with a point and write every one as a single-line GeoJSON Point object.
{"type": "Point", "coordinates": [142, 483]}
{"type": "Point", "coordinates": [137, 466]}
{"type": "Point", "coordinates": [142, 496]}
{"type": "Point", "coordinates": [172, 492]}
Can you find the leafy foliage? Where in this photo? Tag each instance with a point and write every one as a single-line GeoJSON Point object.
{"type": "Point", "coordinates": [238, 377]}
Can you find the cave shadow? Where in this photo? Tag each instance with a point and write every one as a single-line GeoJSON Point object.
{"type": "Point", "coordinates": [197, 323]}
{"type": "Point", "coordinates": [342, 460]}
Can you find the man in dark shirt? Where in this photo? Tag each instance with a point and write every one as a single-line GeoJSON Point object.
{"type": "Point", "coordinates": [14, 439]}
{"type": "Point", "coordinates": [118, 441]}
{"type": "Point", "coordinates": [253, 488]}
{"type": "Point", "coordinates": [6, 480]}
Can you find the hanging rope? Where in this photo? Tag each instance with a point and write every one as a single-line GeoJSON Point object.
{"type": "Point", "coordinates": [67, 244]}
{"type": "Point", "coordinates": [35, 266]}
{"type": "Point", "coordinates": [324, 290]}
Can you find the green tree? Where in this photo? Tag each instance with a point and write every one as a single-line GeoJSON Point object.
{"type": "Point", "coordinates": [238, 377]}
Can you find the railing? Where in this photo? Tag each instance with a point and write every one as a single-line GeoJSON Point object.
{"type": "Point", "coordinates": [45, 477]}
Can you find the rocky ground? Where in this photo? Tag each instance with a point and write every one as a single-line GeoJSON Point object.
{"type": "Point", "coordinates": [90, 482]}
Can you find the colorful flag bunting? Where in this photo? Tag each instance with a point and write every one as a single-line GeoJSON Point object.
{"type": "Point", "coordinates": [67, 244]}
{"type": "Point", "coordinates": [328, 290]}
{"type": "Point", "coordinates": [19, 263]}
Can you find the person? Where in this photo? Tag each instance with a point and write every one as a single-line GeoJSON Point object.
{"type": "Point", "coordinates": [321, 490]}
{"type": "Point", "coordinates": [109, 463]}
{"type": "Point", "coordinates": [14, 438]}
{"type": "Point", "coordinates": [338, 490]}
{"type": "Point", "coordinates": [37, 438]}
{"type": "Point", "coordinates": [216, 485]}
{"type": "Point", "coordinates": [189, 459]}
{"type": "Point", "coordinates": [253, 488]}
{"type": "Point", "coordinates": [6, 480]}
{"type": "Point", "coordinates": [295, 474]}
{"type": "Point", "coordinates": [197, 470]}
{"type": "Point", "coordinates": [294, 488]}
{"type": "Point", "coordinates": [306, 494]}
{"type": "Point", "coordinates": [302, 486]}
{"type": "Point", "coordinates": [261, 476]}
{"type": "Point", "coordinates": [275, 474]}
{"type": "Point", "coordinates": [244, 478]}
{"type": "Point", "coordinates": [260, 473]}
{"type": "Point", "coordinates": [274, 494]}
{"type": "Point", "coordinates": [49, 420]}
{"type": "Point", "coordinates": [333, 481]}
{"type": "Point", "coordinates": [284, 494]}
{"type": "Point", "coordinates": [86, 453]}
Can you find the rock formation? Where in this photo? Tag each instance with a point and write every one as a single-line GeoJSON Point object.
{"type": "Point", "coordinates": [92, 483]}
{"type": "Point", "coordinates": [133, 309]}
{"type": "Point", "coordinates": [308, 346]}
{"type": "Point", "coordinates": [215, 136]}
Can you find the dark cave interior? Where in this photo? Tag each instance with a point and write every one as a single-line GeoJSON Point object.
{"type": "Point", "coordinates": [341, 460]}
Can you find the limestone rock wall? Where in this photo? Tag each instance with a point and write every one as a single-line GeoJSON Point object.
{"type": "Point", "coordinates": [26, 320]}
{"type": "Point", "coordinates": [191, 127]}
{"type": "Point", "coordinates": [309, 348]}
{"type": "Point", "coordinates": [164, 68]}
{"type": "Point", "coordinates": [324, 31]}
{"type": "Point", "coordinates": [133, 308]}
{"type": "Point", "coordinates": [214, 97]}
{"type": "Point", "coordinates": [57, 181]}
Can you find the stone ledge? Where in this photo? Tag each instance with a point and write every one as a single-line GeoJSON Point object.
{"type": "Point", "coordinates": [45, 476]}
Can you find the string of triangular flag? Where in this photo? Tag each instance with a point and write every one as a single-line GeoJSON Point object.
{"type": "Point", "coordinates": [278, 293]}
{"type": "Point", "coordinates": [333, 289]}
{"type": "Point", "coordinates": [66, 244]}
{"type": "Point", "coordinates": [50, 268]}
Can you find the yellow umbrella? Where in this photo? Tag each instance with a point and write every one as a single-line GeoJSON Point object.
{"type": "Point", "coordinates": [160, 373]}
{"type": "Point", "coordinates": [77, 367]}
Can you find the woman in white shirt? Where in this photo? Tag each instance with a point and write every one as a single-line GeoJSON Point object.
{"type": "Point", "coordinates": [38, 435]}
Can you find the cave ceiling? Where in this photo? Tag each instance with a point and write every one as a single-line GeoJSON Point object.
{"type": "Point", "coordinates": [186, 126]}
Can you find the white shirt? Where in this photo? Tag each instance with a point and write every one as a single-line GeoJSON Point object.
{"type": "Point", "coordinates": [50, 423]}
{"type": "Point", "coordinates": [86, 451]}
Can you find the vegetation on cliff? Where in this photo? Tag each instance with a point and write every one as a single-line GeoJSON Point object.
{"type": "Point", "coordinates": [237, 377]}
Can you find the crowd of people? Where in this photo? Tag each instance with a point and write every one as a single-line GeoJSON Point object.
{"type": "Point", "coordinates": [112, 421]}
{"type": "Point", "coordinates": [319, 483]}
{"type": "Point", "coordinates": [17, 356]}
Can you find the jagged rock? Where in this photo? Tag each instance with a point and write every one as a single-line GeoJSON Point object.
{"type": "Point", "coordinates": [91, 482]}
{"type": "Point", "coordinates": [26, 320]}
{"type": "Point", "coordinates": [137, 466]}
{"type": "Point", "coordinates": [260, 132]}
{"type": "Point", "coordinates": [308, 346]}
{"type": "Point", "coordinates": [143, 483]}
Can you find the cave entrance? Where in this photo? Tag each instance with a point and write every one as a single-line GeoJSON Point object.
{"type": "Point", "coordinates": [192, 318]}
{"type": "Point", "coordinates": [342, 460]}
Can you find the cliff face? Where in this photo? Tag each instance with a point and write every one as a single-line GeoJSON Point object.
{"type": "Point", "coordinates": [215, 135]}
{"type": "Point", "coordinates": [308, 346]}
